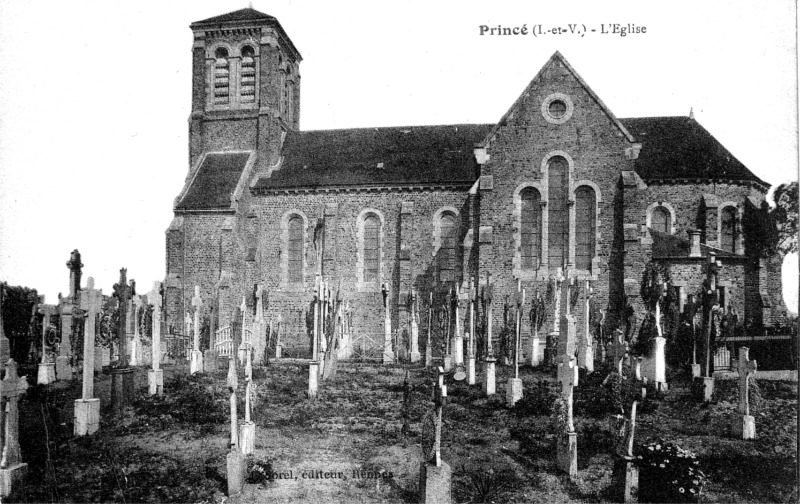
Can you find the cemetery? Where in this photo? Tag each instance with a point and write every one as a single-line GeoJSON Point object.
{"type": "Point", "coordinates": [510, 312]}
{"type": "Point", "coordinates": [174, 427]}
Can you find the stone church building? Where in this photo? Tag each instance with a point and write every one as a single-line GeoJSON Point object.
{"type": "Point", "coordinates": [558, 181]}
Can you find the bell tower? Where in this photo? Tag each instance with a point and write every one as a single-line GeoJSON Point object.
{"type": "Point", "coordinates": [245, 85]}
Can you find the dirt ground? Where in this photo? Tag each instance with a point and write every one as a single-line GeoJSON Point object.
{"type": "Point", "coordinates": [358, 442]}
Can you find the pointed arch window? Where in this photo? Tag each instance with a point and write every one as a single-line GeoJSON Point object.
{"type": "Point", "coordinates": [558, 214]}
{"type": "Point", "coordinates": [221, 77]}
{"type": "Point", "coordinates": [585, 231]}
{"type": "Point", "coordinates": [295, 249]}
{"type": "Point", "coordinates": [728, 229]}
{"type": "Point", "coordinates": [447, 249]}
{"type": "Point", "coordinates": [530, 228]}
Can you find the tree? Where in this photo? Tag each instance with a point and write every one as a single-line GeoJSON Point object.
{"type": "Point", "coordinates": [18, 306]}
{"type": "Point", "coordinates": [785, 216]}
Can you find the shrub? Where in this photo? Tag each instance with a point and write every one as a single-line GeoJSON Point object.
{"type": "Point", "coordinates": [536, 402]}
{"type": "Point", "coordinates": [668, 473]}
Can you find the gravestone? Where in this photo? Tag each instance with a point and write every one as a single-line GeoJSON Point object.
{"type": "Point", "coordinates": [247, 428]}
{"type": "Point", "coordinates": [490, 361]}
{"type": "Point", "coordinates": [435, 474]}
{"type": "Point", "coordinates": [514, 388]}
{"type": "Point", "coordinates": [625, 477]}
{"type": "Point", "coordinates": [415, 355]}
{"type": "Point", "coordinates": [537, 318]}
{"type": "Point", "coordinates": [567, 455]}
{"type": "Point", "coordinates": [47, 370]}
{"type": "Point", "coordinates": [745, 426]}
{"type": "Point", "coordinates": [196, 365]}
{"type": "Point", "coordinates": [87, 408]}
{"type": "Point", "coordinates": [618, 349]}
{"type": "Point", "coordinates": [68, 308]}
{"type": "Point", "coordinates": [444, 330]}
{"type": "Point", "coordinates": [122, 373]}
{"type": "Point", "coordinates": [235, 460]}
{"type": "Point", "coordinates": [259, 326]}
{"type": "Point", "coordinates": [458, 337]}
{"type": "Point", "coordinates": [155, 376]}
{"type": "Point", "coordinates": [12, 469]}
{"type": "Point", "coordinates": [551, 346]}
{"type": "Point", "coordinates": [471, 378]}
{"type": "Point", "coordinates": [567, 326]}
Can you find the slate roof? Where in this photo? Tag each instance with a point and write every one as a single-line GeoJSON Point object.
{"type": "Point", "coordinates": [215, 181]}
{"type": "Point", "coordinates": [247, 14]}
{"type": "Point", "coordinates": [667, 246]}
{"type": "Point", "coordinates": [378, 156]}
{"type": "Point", "coordinates": [680, 148]}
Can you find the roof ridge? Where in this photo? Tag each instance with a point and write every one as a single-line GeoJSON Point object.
{"type": "Point", "coordinates": [365, 128]}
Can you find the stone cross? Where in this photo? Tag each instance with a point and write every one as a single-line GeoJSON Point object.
{"type": "Point", "coordinates": [636, 392]}
{"type": "Point", "coordinates": [74, 264]}
{"type": "Point", "coordinates": [517, 338]}
{"type": "Point", "coordinates": [197, 302]}
{"type": "Point", "coordinates": [710, 301]}
{"type": "Point", "coordinates": [12, 387]}
{"type": "Point", "coordinates": [48, 311]}
{"type": "Point", "coordinates": [428, 351]}
{"type": "Point", "coordinates": [472, 298]}
{"type": "Point", "coordinates": [187, 324]}
{"type": "Point", "coordinates": [233, 383]}
{"type": "Point", "coordinates": [568, 377]}
{"type": "Point", "coordinates": [619, 347]}
{"type": "Point", "coordinates": [558, 282]}
{"type": "Point", "coordinates": [746, 367]}
{"type": "Point", "coordinates": [260, 303]}
{"type": "Point", "coordinates": [439, 401]}
{"type": "Point", "coordinates": [122, 292]}
{"type": "Point", "coordinates": [459, 330]}
{"type": "Point", "coordinates": [154, 297]}
{"type": "Point", "coordinates": [488, 294]}
{"type": "Point", "coordinates": [136, 351]}
{"type": "Point", "coordinates": [92, 303]}
{"type": "Point", "coordinates": [248, 373]}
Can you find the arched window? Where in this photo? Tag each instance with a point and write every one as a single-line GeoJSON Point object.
{"type": "Point", "coordinates": [584, 227]}
{"type": "Point", "coordinates": [287, 95]}
{"type": "Point", "coordinates": [558, 216]}
{"type": "Point", "coordinates": [247, 83]}
{"type": "Point", "coordinates": [530, 228]}
{"type": "Point", "coordinates": [221, 77]}
{"type": "Point", "coordinates": [661, 220]}
{"type": "Point", "coordinates": [295, 249]}
{"type": "Point", "coordinates": [372, 248]}
{"type": "Point", "coordinates": [728, 229]}
{"type": "Point", "coordinates": [447, 249]}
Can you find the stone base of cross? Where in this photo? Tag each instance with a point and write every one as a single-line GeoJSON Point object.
{"type": "Point", "coordinates": [447, 362]}
{"type": "Point", "coordinates": [313, 379]}
{"type": "Point", "coordinates": [155, 381]}
{"type": "Point", "coordinates": [535, 351]}
{"type": "Point", "coordinates": [489, 376]}
{"type": "Point", "coordinates": [247, 436]}
{"type": "Point", "coordinates": [87, 416]}
{"type": "Point", "coordinates": [513, 391]}
{"type": "Point", "coordinates": [196, 363]}
{"type": "Point", "coordinates": [210, 361]}
{"type": "Point", "coordinates": [46, 374]}
{"type": "Point", "coordinates": [625, 480]}
{"type": "Point", "coordinates": [435, 483]}
{"type": "Point", "coordinates": [63, 368]}
{"type": "Point", "coordinates": [471, 371]}
{"type": "Point", "coordinates": [703, 388]}
{"type": "Point", "coordinates": [567, 453]}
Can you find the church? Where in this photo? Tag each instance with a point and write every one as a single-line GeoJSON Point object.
{"type": "Point", "coordinates": [559, 185]}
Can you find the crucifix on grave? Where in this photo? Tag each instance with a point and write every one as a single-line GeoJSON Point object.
{"type": "Point", "coordinates": [388, 353]}
{"type": "Point", "coordinates": [235, 459]}
{"type": "Point", "coordinates": [490, 361]}
{"type": "Point", "coordinates": [122, 374]}
{"type": "Point", "coordinates": [471, 336]}
{"type": "Point", "coordinates": [567, 455]}
{"type": "Point", "coordinates": [414, 302]}
{"type": "Point", "coordinates": [196, 364]}
{"type": "Point", "coordinates": [704, 389]}
{"type": "Point", "coordinates": [155, 376]}
{"type": "Point", "coordinates": [537, 317]}
{"type": "Point", "coordinates": [586, 346]}
{"type": "Point", "coordinates": [435, 474]}
{"type": "Point", "coordinates": [428, 350]}
{"type": "Point", "coordinates": [514, 387]}
{"type": "Point", "coordinates": [247, 428]}
{"type": "Point", "coordinates": [745, 427]}
{"type": "Point", "coordinates": [47, 370]}
{"type": "Point", "coordinates": [567, 325]}
{"type": "Point", "coordinates": [12, 470]}
{"type": "Point", "coordinates": [625, 477]}
{"type": "Point", "coordinates": [551, 348]}
{"type": "Point", "coordinates": [87, 409]}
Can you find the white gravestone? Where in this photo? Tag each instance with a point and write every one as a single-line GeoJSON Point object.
{"type": "Point", "coordinates": [196, 365]}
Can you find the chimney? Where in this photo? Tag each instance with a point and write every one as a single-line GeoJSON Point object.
{"type": "Point", "coordinates": [694, 237]}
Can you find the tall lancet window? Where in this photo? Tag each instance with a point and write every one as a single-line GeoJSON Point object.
{"type": "Point", "coordinates": [247, 85]}
{"type": "Point", "coordinates": [558, 214]}
{"type": "Point", "coordinates": [530, 228]}
{"type": "Point", "coordinates": [584, 227]}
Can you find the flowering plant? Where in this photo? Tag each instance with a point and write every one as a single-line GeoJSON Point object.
{"type": "Point", "coordinates": [669, 473]}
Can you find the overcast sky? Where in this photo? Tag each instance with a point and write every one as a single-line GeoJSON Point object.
{"type": "Point", "coordinates": [95, 96]}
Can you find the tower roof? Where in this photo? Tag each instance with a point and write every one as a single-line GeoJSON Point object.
{"type": "Point", "coordinates": [242, 15]}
